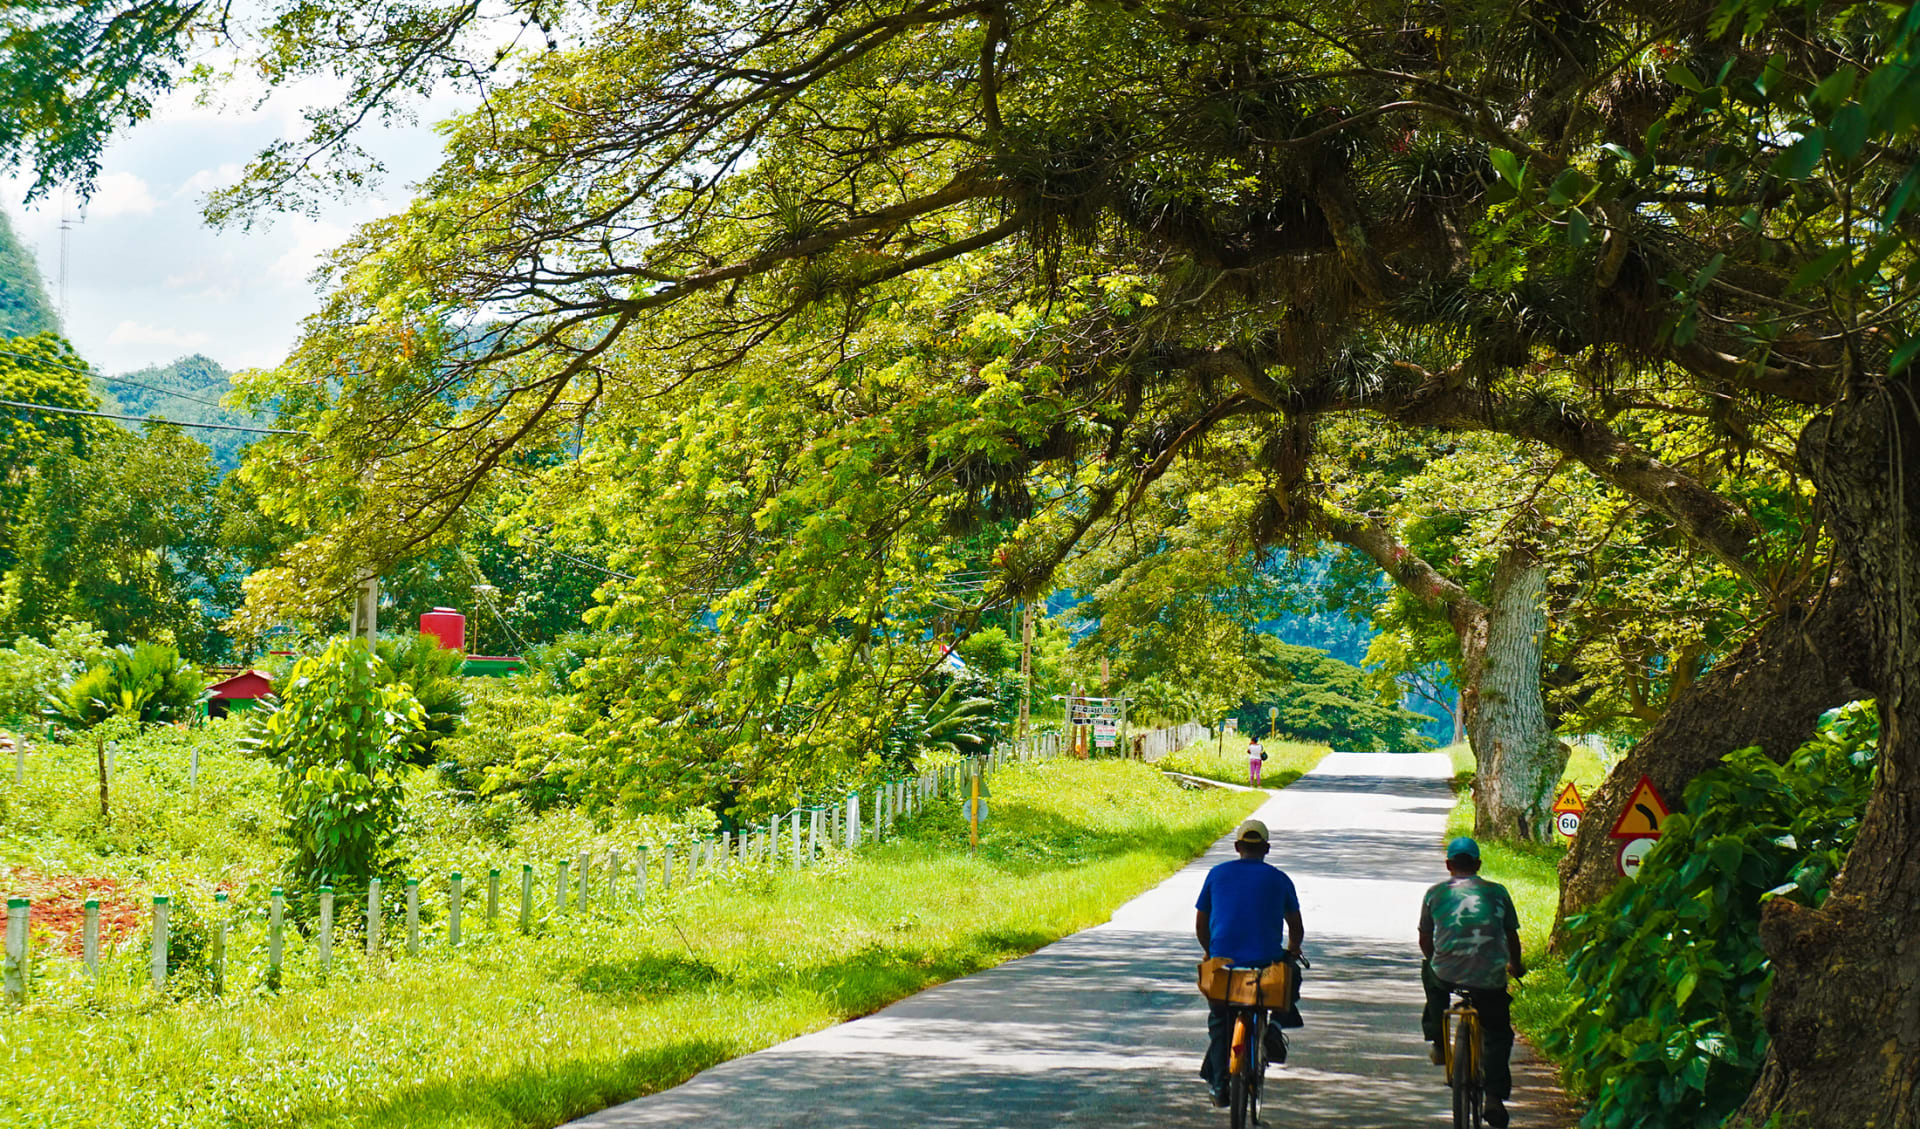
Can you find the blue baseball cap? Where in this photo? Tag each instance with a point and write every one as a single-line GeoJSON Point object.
{"type": "Point", "coordinates": [1463, 847]}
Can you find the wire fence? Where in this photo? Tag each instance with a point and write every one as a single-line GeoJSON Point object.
{"type": "Point", "coordinates": [439, 914]}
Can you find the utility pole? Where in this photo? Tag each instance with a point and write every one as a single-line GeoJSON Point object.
{"type": "Point", "coordinates": [366, 609]}
{"type": "Point", "coordinates": [1026, 667]}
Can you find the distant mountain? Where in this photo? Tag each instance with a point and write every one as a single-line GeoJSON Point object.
{"type": "Point", "coordinates": [188, 390]}
{"type": "Point", "coordinates": [24, 308]}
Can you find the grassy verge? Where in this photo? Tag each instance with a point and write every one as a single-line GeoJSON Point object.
{"type": "Point", "coordinates": [1226, 761]}
{"type": "Point", "coordinates": [1531, 873]}
{"type": "Point", "coordinates": [601, 1007]}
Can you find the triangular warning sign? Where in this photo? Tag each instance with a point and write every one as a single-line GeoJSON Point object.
{"type": "Point", "coordinates": [1643, 815]}
{"type": "Point", "coordinates": [1569, 799]}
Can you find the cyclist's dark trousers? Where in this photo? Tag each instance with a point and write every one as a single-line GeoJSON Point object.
{"type": "Point", "coordinates": [1496, 1027]}
{"type": "Point", "coordinates": [1220, 1043]}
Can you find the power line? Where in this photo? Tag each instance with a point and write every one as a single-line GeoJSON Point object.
{"type": "Point", "coordinates": [146, 419]}
{"type": "Point", "coordinates": [162, 391]}
{"type": "Point", "coordinates": [82, 370]}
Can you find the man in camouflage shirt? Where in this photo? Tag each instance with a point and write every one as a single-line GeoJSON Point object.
{"type": "Point", "coordinates": [1470, 935]}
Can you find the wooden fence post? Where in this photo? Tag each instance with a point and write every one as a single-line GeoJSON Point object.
{"type": "Point", "coordinates": [413, 917]}
{"type": "Point", "coordinates": [160, 937]}
{"type": "Point", "coordinates": [373, 921]}
{"type": "Point", "coordinates": [220, 924]}
{"type": "Point", "coordinates": [18, 912]}
{"type": "Point", "coordinates": [276, 936]}
{"type": "Point", "coordinates": [326, 929]}
{"type": "Point", "coordinates": [90, 938]}
{"type": "Point", "coordinates": [455, 884]}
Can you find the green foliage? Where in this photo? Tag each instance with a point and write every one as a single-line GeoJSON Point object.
{"type": "Point", "coordinates": [24, 309]}
{"type": "Point", "coordinates": [990, 652]}
{"type": "Point", "coordinates": [30, 669]}
{"type": "Point", "coordinates": [945, 718]}
{"type": "Point", "coordinates": [1322, 699]}
{"type": "Point", "coordinates": [197, 384]}
{"type": "Point", "coordinates": [1669, 969]}
{"type": "Point", "coordinates": [341, 729]}
{"type": "Point", "coordinates": [150, 682]}
{"type": "Point", "coordinates": [521, 739]}
{"type": "Point", "coordinates": [431, 674]}
{"type": "Point", "coordinates": [127, 536]}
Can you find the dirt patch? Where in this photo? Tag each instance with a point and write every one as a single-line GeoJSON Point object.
{"type": "Point", "coordinates": [1537, 1093]}
{"type": "Point", "coordinates": [59, 909]}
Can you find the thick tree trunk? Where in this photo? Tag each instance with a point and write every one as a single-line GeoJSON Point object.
{"type": "Point", "coordinates": [1844, 1013]}
{"type": "Point", "coordinates": [1519, 759]}
{"type": "Point", "coordinates": [1767, 693]}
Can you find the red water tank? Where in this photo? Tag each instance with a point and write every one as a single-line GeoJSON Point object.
{"type": "Point", "coordinates": [446, 625]}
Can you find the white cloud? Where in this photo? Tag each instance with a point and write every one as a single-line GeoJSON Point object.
{"type": "Point", "coordinates": [206, 180]}
{"type": "Point", "coordinates": [134, 333]}
{"type": "Point", "coordinates": [312, 241]}
{"type": "Point", "coordinates": [120, 194]}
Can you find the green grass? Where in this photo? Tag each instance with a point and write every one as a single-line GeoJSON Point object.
{"type": "Point", "coordinates": [602, 1007]}
{"type": "Point", "coordinates": [1287, 761]}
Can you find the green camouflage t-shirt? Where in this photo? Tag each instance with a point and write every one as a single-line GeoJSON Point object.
{"type": "Point", "coordinates": [1470, 918]}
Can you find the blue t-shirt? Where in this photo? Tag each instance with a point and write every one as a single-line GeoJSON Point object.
{"type": "Point", "coordinates": [1247, 902]}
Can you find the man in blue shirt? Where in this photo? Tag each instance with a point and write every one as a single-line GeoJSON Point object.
{"type": "Point", "coordinates": [1243, 905]}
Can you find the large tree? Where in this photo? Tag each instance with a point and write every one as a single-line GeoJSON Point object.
{"type": "Point", "coordinates": [1466, 216]}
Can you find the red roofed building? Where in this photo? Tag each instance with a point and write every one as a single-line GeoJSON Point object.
{"type": "Point", "coordinates": [240, 692]}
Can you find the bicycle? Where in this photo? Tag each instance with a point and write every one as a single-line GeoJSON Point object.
{"type": "Point", "coordinates": [1252, 993]}
{"type": "Point", "coordinates": [1466, 1075]}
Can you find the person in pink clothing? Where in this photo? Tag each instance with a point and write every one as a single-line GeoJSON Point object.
{"type": "Point", "coordinates": [1255, 755]}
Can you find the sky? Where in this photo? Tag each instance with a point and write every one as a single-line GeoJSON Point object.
{"type": "Point", "coordinates": [147, 281]}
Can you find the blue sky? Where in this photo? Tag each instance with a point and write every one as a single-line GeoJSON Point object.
{"type": "Point", "coordinates": [148, 281]}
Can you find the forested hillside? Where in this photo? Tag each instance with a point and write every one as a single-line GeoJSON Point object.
{"type": "Point", "coordinates": [24, 309]}
{"type": "Point", "coordinates": [188, 391]}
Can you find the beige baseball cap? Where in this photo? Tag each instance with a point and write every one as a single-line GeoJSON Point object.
{"type": "Point", "coordinates": [1252, 831]}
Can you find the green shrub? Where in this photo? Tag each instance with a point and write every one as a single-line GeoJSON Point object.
{"type": "Point", "coordinates": [338, 736]}
{"type": "Point", "coordinates": [1668, 969]}
{"type": "Point", "coordinates": [432, 674]}
{"type": "Point", "coordinates": [150, 681]}
{"type": "Point", "coordinates": [30, 669]}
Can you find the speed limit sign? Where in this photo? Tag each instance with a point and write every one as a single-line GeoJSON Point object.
{"type": "Point", "coordinates": [1567, 823]}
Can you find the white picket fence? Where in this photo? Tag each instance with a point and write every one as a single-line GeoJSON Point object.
{"type": "Point", "coordinates": [611, 880]}
{"type": "Point", "coordinates": [1156, 743]}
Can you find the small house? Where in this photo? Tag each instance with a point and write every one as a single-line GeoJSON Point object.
{"type": "Point", "coordinates": [241, 692]}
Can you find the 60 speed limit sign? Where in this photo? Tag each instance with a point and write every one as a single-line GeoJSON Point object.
{"type": "Point", "coordinates": [1567, 823]}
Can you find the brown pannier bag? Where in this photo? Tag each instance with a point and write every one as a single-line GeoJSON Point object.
{"type": "Point", "coordinates": [1270, 987]}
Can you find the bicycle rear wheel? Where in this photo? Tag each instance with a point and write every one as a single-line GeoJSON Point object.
{"type": "Point", "coordinates": [1466, 1078]}
{"type": "Point", "coordinates": [1239, 1082]}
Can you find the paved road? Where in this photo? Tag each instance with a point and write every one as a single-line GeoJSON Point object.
{"type": "Point", "coordinates": [1105, 1028]}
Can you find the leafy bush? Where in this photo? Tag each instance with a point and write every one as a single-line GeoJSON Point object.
{"type": "Point", "coordinates": [338, 736]}
{"type": "Point", "coordinates": [30, 669]}
{"type": "Point", "coordinates": [432, 674]}
{"type": "Point", "coordinates": [150, 681]}
{"type": "Point", "coordinates": [1669, 969]}
{"type": "Point", "coordinates": [522, 739]}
